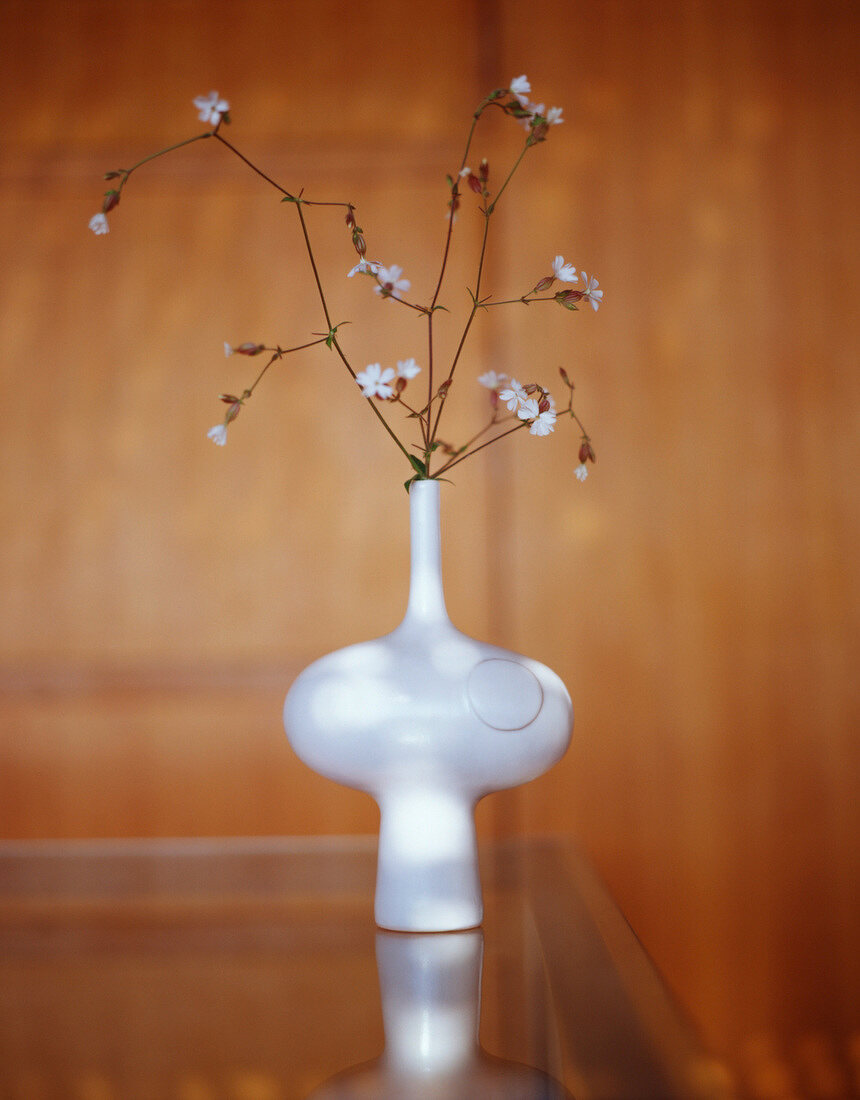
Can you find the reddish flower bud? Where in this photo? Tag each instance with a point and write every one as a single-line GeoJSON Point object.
{"type": "Point", "coordinates": [249, 349]}
{"type": "Point", "coordinates": [358, 241]}
{"type": "Point", "coordinates": [443, 389]}
{"type": "Point", "coordinates": [565, 378]}
{"type": "Point", "coordinates": [475, 184]}
{"type": "Point", "coordinates": [543, 404]}
{"type": "Point", "coordinates": [233, 412]}
{"type": "Point", "coordinates": [350, 218]}
{"type": "Point", "coordinates": [111, 199]}
{"type": "Point", "coordinates": [544, 284]}
{"type": "Point", "coordinates": [227, 398]}
{"type": "Point", "coordinates": [484, 170]}
{"type": "Point", "coordinates": [568, 298]}
{"type": "Point", "coordinates": [532, 387]}
{"type": "Point", "coordinates": [400, 385]}
{"type": "Point", "coordinates": [586, 452]}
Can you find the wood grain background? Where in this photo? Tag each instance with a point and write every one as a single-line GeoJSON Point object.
{"type": "Point", "coordinates": [698, 594]}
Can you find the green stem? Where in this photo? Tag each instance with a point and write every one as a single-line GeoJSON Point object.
{"type": "Point", "coordinates": [126, 172]}
{"type": "Point", "coordinates": [517, 163]}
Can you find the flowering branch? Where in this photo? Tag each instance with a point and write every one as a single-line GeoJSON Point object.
{"type": "Point", "coordinates": [529, 405]}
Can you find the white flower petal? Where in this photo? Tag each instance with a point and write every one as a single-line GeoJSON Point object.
{"type": "Point", "coordinates": [520, 87]}
{"type": "Point", "coordinates": [407, 368]}
{"type": "Point", "coordinates": [528, 409]}
{"type": "Point", "coordinates": [492, 380]}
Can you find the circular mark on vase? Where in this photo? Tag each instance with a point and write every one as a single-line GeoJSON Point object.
{"type": "Point", "coordinates": [504, 694]}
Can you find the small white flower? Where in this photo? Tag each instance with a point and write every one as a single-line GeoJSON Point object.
{"type": "Point", "coordinates": [228, 350]}
{"type": "Point", "coordinates": [407, 368]}
{"type": "Point", "coordinates": [364, 267]}
{"type": "Point", "coordinates": [553, 116]}
{"type": "Point", "coordinates": [581, 472]}
{"type": "Point", "coordinates": [514, 396]}
{"type": "Point", "coordinates": [211, 107]}
{"type": "Point", "coordinates": [533, 109]}
{"type": "Point", "coordinates": [591, 293]}
{"type": "Point", "coordinates": [464, 172]}
{"type": "Point", "coordinates": [218, 434]}
{"type": "Point", "coordinates": [374, 380]}
{"type": "Point", "coordinates": [563, 271]}
{"type": "Point", "coordinates": [520, 87]}
{"type": "Point", "coordinates": [492, 380]}
{"type": "Point", "coordinates": [99, 224]}
{"type": "Point", "coordinates": [544, 424]}
{"type": "Point", "coordinates": [390, 282]}
{"type": "Point", "coordinates": [528, 409]}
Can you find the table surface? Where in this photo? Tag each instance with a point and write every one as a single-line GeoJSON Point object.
{"type": "Point", "coordinates": [251, 969]}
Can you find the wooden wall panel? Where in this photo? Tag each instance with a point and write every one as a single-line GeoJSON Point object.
{"type": "Point", "coordinates": [698, 593]}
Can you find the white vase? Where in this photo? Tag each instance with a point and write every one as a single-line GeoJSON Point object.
{"type": "Point", "coordinates": [427, 721]}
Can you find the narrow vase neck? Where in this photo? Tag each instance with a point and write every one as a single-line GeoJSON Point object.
{"type": "Point", "coordinates": [426, 596]}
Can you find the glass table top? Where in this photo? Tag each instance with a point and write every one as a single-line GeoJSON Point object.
{"type": "Point", "coordinates": [251, 969]}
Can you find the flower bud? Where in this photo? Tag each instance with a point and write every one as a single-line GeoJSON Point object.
{"type": "Point", "coordinates": [484, 170]}
{"type": "Point", "coordinates": [543, 405]}
{"type": "Point", "coordinates": [111, 175]}
{"type": "Point", "coordinates": [111, 200]}
{"type": "Point", "coordinates": [249, 349]}
{"type": "Point", "coordinates": [565, 377]}
{"type": "Point", "coordinates": [400, 385]}
{"type": "Point", "coordinates": [586, 452]}
{"type": "Point", "coordinates": [233, 412]}
{"type": "Point", "coordinates": [227, 398]}
{"type": "Point", "coordinates": [569, 298]}
{"type": "Point", "coordinates": [476, 184]}
{"type": "Point", "coordinates": [358, 241]}
{"type": "Point", "coordinates": [530, 388]}
{"type": "Point", "coordinates": [350, 218]}
{"type": "Point", "coordinates": [544, 284]}
{"type": "Point", "coordinates": [443, 389]}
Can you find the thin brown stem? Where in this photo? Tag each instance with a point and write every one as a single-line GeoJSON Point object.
{"type": "Point", "coordinates": [251, 165]}
{"type": "Point", "coordinates": [279, 353]}
{"type": "Point", "coordinates": [462, 458]}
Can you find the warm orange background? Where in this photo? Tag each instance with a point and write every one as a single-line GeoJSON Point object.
{"type": "Point", "coordinates": [697, 594]}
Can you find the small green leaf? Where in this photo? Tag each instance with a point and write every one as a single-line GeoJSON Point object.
{"type": "Point", "coordinates": [419, 466]}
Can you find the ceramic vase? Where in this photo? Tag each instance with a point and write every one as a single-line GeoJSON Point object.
{"type": "Point", "coordinates": [427, 721]}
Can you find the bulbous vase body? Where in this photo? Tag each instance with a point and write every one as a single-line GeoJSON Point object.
{"type": "Point", "coordinates": [427, 721]}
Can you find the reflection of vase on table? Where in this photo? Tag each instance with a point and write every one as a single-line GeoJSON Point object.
{"type": "Point", "coordinates": [428, 721]}
{"type": "Point", "coordinates": [430, 988]}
